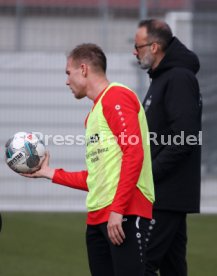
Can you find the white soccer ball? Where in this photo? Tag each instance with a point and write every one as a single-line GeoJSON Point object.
{"type": "Point", "coordinates": [24, 152]}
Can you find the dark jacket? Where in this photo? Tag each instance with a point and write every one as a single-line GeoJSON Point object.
{"type": "Point", "coordinates": [173, 107]}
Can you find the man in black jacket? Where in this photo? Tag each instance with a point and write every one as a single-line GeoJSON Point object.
{"type": "Point", "coordinates": [173, 109]}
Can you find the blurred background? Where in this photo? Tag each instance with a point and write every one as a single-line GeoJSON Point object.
{"type": "Point", "coordinates": [35, 37]}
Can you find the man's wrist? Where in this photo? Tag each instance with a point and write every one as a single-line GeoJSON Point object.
{"type": "Point", "coordinates": [49, 173]}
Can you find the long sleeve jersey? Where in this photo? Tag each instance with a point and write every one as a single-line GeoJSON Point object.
{"type": "Point", "coordinates": [120, 108]}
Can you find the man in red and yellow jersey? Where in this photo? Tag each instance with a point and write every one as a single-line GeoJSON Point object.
{"type": "Point", "coordinates": [118, 178]}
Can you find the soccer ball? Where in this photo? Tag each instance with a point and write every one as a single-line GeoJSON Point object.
{"type": "Point", "coordinates": [24, 152]}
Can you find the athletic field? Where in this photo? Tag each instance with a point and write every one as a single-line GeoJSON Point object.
{"type": "Point", "coordinates": [53, 244]}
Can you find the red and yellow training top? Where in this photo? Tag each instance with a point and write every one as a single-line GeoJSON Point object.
{"type": "Point", "coordinates": [118, 176]}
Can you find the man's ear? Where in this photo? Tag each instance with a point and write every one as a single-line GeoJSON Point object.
{"type": "Point", "coordinates": [84, 69]}
{"type": "Point", "coordinates": [155, 47]}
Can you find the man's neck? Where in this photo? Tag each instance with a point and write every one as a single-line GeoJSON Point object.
{"type": "Point", "coordinates": [158, 60]}
{"type": "Point", "coordinates": [96, 87]}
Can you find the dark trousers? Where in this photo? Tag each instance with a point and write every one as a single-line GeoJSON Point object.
{"type": "Point", "coordinates": [128, 259]}
{"type": "Point", "coordinates": [166, 244]}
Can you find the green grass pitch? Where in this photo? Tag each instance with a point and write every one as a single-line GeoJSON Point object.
{"type": "Point", "coordinates": [53, 244]}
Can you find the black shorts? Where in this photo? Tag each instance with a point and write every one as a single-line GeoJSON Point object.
{"type": "Point", "coordinates": [127, 259]}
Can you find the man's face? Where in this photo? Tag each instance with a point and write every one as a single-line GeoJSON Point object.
{"type": "Point", "coordinates": [75, 79]}
{"type": "Point", "coordinates": [143, 49]}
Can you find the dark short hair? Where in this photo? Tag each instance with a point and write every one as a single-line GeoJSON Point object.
{"type": "Point", "coordinates": [90, 53]}
{"type": "Point", "coordinates": [158, 30]}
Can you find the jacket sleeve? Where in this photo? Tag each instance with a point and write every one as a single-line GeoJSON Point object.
{"type": "Point", "coordinates": [120, 108]}
{"type": "Point", "coordinates": [183, 111]}
{"type": "Point", "coordinates": [76, 180]}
